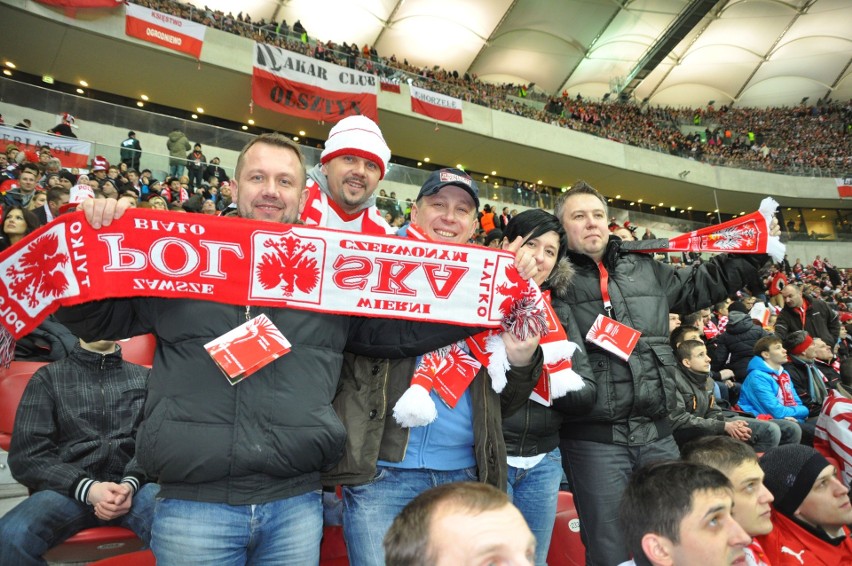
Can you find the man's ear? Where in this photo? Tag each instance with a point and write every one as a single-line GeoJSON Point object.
{"type": "Point", "coordinates": [658, 549]}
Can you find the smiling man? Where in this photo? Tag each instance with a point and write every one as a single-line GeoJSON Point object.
{"type": "Point", "coordinates": [679, 514]}
{"type": "Point", "coordinates": [341, 186]}
{"type": "Point", "coordinates": [629, 425]}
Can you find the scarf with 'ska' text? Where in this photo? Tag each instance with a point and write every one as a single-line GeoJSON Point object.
{"type": "Point", "coordinates": [149, 253]}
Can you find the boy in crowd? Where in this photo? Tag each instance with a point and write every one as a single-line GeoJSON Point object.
{"type": "Point", "coordinates": [697, 414]}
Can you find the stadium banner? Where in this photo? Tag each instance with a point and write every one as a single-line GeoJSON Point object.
{"type": "Point", "coordinates": [71, 6]}
{"type": "Point", "coordinates": [844, 187]}
{"type": "Point", "coordinates": [437, 106]}
{"type": "Point", "coordinates": [286, 82]}
{"type": "Point", "coordinates": [72, 152]}
{"type": "Point", "coordinates": [165, 30]}
{"type": "Point", "coordinates": [390, 86]}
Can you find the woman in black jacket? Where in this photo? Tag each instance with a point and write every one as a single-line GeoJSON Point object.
{"type": "Point", "coordinates": [532, 433]}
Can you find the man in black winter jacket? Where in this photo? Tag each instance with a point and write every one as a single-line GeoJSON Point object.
{"type": "Point", "coordinates": [73, 446]}
{"type": "Point", "coordinates": [629, 425]}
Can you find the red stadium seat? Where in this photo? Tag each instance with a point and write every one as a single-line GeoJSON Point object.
{"type": "Point", "coordinates": [566, 547]}
{"type": "Point", "coordinates": [333, 547]}
{"type": "Point", "coordinates": [88, 544]}
{"type": "Point", "coordinates": [139, 349]}
{"type": "Point", "coordinates": [140, 558]}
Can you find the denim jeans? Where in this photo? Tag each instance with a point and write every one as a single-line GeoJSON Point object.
{"type": "Point", "coordinates": [771, 433]}
{"type": "Point", "coordinates": [535, 492]}
{"type": "Point", "coordinates": [47, 518]}
{"type": "Point", "coordinates": [369, 509]}
{"type": "Point", "coordinates": [286, 531]}
{"type": "Point", "coordinates": [599, 473]}
{"type": "Point", "coordinates": [175, 171]}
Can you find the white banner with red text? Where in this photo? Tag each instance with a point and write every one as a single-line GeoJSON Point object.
{"type": "Point", "coordinates": [165, 30]}
{"type": "Point", "coordinates": [72, 152]}
{"type": "Point", "coordinates": [290, 83]}
{"type": "Point", "coordinates": [844, 187]}
{"type": "Point", "coordinates": [237, 261]}
{"type": "Point", "coordinates": [437, 106]}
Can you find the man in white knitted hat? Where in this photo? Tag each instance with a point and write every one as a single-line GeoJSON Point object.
{"type": "Point", "coordinates": [341, 186]}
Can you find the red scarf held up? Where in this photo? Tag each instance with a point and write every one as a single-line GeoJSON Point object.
{"type": "Point", "coordinates": [149, 253]}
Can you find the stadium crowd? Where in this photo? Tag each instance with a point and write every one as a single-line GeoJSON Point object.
{"type": "Point", "coordinates": [811, 140]}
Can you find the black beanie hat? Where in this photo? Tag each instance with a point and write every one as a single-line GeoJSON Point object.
{"type": "Point", "coordinates": [791, 471]}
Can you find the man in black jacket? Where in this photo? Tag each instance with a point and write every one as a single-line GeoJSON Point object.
{"type": "Point", "coordinates": [629, 425]}
{"type": "Point", "coordinates": [811, 314]}
{"type": "Point", "coordinates": [131, 151]}
{"type": "Point", "coordinates": [73, 446]}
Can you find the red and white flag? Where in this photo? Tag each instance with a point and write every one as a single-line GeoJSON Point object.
{"type": "Point", "coordinates": [390, 86]}
{"type": "Point", "coordinates": [165, 30]}
{"type": "Point", "coordinates": [286, 82]}
{"type": "Point", "coordinates": [437, 106]}
{"type": "Point", "coordinates": [72, 152]}
{"type": "Point", "coordinates": [844, 187]}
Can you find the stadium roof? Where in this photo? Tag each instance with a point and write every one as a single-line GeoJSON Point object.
{"type": "Point", "coordinates": [672, 52]}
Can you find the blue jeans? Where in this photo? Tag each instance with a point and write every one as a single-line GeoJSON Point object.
{"type": "Point", "coordinates": [286, 531]}
{"type": "Point", "coordinates": [535, 492]}
{"type": "Point", "coordinates": [47, 518]}
{"type": "Point", "coordinates": [175, 171]}
{"type": "Point", "coordinates": [599, 473]}
{"type": "Point", "coordinates": [369, 509]}
{"type": "Point", "coordinates": [771, 433]}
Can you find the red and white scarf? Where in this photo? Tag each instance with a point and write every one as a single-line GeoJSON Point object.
{"type": "Point", "coordinates": [323, 211]}
{"type": "Point", "coordinates": [785, 389]}
{"type": "Point", "coordinates": [449, 371]}
{"type": "Point", "coordinates": [745, 234]}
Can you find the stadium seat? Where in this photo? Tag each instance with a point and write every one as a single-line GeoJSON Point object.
{"type": "Point", "coordinates": [88, 544]}
{"type": "Point", "coordinates": [140, 558]}
{"type": "Point", "coordinates": [139, 349]}
{"type": "Point", "coordinates": [333, 547]}
{"type": "Point", "coordinates": [566, 547]}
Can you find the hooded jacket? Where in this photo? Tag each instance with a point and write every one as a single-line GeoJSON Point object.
{"type": "Point", "coordinates": [534, 429]}
{"type": "Point", "coordinates": [635, 397]}
{"type": "Point", "coordinates": [77, 422]}
{"type": "Point", "coordinates": [735, 346]}
{"type": "Point", "coordinates": [761, 395]}
{"type": "Point", "coordinates": [178, 145]}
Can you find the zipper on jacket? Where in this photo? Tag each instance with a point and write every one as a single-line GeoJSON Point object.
{"type": "Point", "coordinates": [483, 474]}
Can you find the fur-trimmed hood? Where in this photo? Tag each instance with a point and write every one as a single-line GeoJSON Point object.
{"type": "Point", "coordinates": [560, 279]}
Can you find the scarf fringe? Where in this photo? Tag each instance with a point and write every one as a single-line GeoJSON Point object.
{"type": "Point", "coordinates": [498, 362]}
{"type": "Point", "coordinates": [415, 408]}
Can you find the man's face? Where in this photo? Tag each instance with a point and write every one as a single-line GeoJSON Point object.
{"type": "Point", "coordinates": [792, 297]}
{"type": "Point", "coordinates": [709, 535]}
{"type": "Point", "coordinates": [43, 156]}
{"type": "Point", "coordinates": [4, 161]}
{"type": "Point", "coordinates": [674, 321]}
{"type": "Point", "coordinates": [698, 360]}
{"type": "Point", "coordinates": [691, 335]}
{"type": "Point", "coordinates": [706, 316]}
{"type": "Point", "coordinates": [100, 174]}
{"type": "Point", "coordinates": [827, 504]}
{"type": "Point", "coordinates": [448, 216]}
{"type": "Point", "coordinates": [225, 191]}
{"type": "Point", "coordinates": [500, 536]}
{"type": "Point", "coordinates": [751, 499]}
{"type": "Point", "coordinates": [27, 182]}
{"type": "Point", "coordinates": [132, 176]}
{"type": "Point", "coordinates": [352, 180]}
{"type": "Point", "coordinates": [270, 186]}
{"type": "Point", "coordinates": [109, 191]}
{"type": "Point", "coordinates": [585, 223]}
{"type": "Point", "coordinates": [54, 206]}
{"type": "Point", "coordinates": [822, 351]}
{"type": "Point", "coordinates": [748, 302]}
{"type": "Point", "coordinates": [776, 355]}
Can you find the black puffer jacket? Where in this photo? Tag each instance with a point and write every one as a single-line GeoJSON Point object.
{"type": "Point", "coordinates": [534, 429]}
{"type": "Point", "coordinates": [635, 397]}
{"type": "Point", "coordinates": [265, 438]}
{"type": "Point", "coordinates": [735, 346]}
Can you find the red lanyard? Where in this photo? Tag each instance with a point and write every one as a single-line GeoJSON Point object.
{"type": "Point", "coordinates": [604, 292]}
